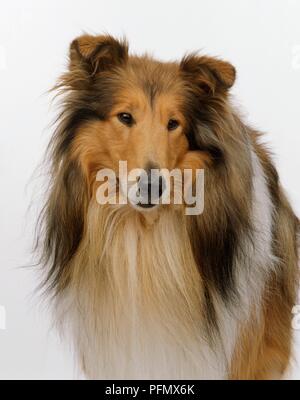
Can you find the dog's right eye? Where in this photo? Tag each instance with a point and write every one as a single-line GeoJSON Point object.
{"type": "Point", "coordinates": [126, 118]}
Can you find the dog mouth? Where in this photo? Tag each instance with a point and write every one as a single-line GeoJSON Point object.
{"type": "Point", "coordinates": [145, 192]}
{"type": "Point", "coordinates": [146, 206]}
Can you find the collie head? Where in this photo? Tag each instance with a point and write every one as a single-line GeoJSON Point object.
{"type": "Point", "coordinates": [149, 114]}
{"type": "Point", "coordinates": [144, 279]}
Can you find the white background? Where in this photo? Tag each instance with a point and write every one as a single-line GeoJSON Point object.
{"type": "Point", "coordinates": [261, 38]}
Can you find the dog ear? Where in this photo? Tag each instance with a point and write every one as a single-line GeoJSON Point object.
{"type": "Point", "coordinates": [97, 53]}
{"type": "Point", "coordinates": [211, 74]}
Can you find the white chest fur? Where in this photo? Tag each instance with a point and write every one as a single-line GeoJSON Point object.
{"type": "Point", "coordinates": [136, 311]}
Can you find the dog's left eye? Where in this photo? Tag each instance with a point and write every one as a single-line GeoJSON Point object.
{"type": "Point", "coordinates": [172, 124]}
{"type": "Point", "coordinates": [125, 118]}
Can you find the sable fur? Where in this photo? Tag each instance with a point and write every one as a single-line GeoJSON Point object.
{"type": "Point", "coordinates": [165, 295]}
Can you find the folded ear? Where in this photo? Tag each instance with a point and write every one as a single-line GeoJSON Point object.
{"type": "Point", "coordinates": [96, 53]}
{"type": "Point", "coordinates": [209, 73]}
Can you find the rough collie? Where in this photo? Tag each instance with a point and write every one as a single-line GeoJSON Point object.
{"type": "Point", "coordinates": [147, 291]}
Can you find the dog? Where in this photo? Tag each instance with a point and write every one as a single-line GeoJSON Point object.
{"type": "Point", "coordinates": [145, 291]}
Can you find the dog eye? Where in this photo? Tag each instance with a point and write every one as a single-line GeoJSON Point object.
{"type": "Point", "coordinates": [125, 118]}
{"type": "Point", "coordinates": [172, 124]}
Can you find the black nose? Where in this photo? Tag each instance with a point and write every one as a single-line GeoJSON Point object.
{"type": "Point", "coordinates": [151, 186]}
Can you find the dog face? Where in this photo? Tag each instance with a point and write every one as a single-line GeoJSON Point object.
{"type": "Point", "coordinates": [140, 128]}
{"type": "Point", "coordinates": [139, 110]}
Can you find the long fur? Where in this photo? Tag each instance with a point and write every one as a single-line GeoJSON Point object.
{"type": "Point", "coordinates": [165, 295]}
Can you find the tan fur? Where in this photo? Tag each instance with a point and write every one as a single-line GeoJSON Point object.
{"type": "Point", "coordinates": [103, 144]}
{"type": "Point", "coordinates": [264, 347]}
